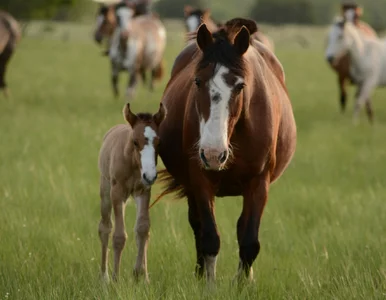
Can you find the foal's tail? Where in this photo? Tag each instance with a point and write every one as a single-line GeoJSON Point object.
{"type": "Point", "coordinates": [159, 70]}
{"type": "Point", "coordinates": [170, 186]}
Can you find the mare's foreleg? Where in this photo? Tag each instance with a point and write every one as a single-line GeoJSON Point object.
{"type": "Point", "coordinates": [195, 223]}
{"type": "Point", "coordinates": [118, 196]}
{"type": "Point", "coordinates": [255, 197]}
{"type": "Point", "coordinates": [105, 224]}
{"type": "Point", "coordinates": [142, 234]}
{"type": "Point", "coordinates": [363, 96]}
{"type": "Point", "coordinates": [210, 238]}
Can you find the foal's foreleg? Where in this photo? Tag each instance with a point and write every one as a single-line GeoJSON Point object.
{"type": "Point", "coordinates": [255, 197]}
{"type": "Point", "coordinates": [105, 225]}
{"type": "Point", "coordinates": [142, 228]}
{"type": "Point", "coordinates": [118, 197]}
{"type": "Point", "coordinates": [114, 79]}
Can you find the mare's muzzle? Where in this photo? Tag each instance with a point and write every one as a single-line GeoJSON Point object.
{"type": "Point", "coordinates": [213, 159]}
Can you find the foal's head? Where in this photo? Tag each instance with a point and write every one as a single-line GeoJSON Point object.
{"type": "Point", "coordinates": [145, 141]}
{"type": "Point", "coordinates": [219, 80]}
{"type": "Point", "coordinates": [340, 39]}
{"type": "Point", "coordinates": [194, 17]}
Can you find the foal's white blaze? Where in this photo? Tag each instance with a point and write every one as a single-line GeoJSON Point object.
{"type": "Point", "coordinates": [193, 22]}
{"type": "Point", "coordinates": [148, 155]}
{"type": "Point", "coordinates": [214, 132]}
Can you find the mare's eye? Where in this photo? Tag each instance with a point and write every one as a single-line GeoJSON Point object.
{"type": "Point", "coordinates": [239, 87]}
{"type": "Point", "coordinates": [136, 144]}
{"type": "Point", "coordinates": [197, 81]}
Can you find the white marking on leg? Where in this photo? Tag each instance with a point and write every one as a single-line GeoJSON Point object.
{"type": "Point", "coordinates": [210, 267]}
{"type": "Point", "coordinates": [148, 156]}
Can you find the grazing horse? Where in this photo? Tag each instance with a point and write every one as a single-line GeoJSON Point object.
{"type": "Point", "coordinates": [10, 34]}
{"type": "Point", "coordinates": [137, 44]}
{"type": "Point", "coordinates": [367, 61]}
{"type": "Point", "coordinates": [230, 131]}
{"type": "Point", "coordinates": [127, 163]}
{"type": "Point", "coordinates": [342, 66]}
{"type": "Point", "coordinates": [194, 17]}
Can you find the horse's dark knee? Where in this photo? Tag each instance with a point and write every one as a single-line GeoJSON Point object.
{"type": "Point", "coordinates": [119, 242]}
{"type": "Point", "coordinates": [343, 101]}
{"type": "Point", "coordinates": [249, 252]}
{"type": "Point", "coordinates": [210, 243]}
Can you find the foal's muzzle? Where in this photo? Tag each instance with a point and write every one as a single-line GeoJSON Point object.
{"type": "Point", "coordinates": [98, 37]}
{"type": "Point", "coordinates": [148, 180]}
{"type": "Point", "coordinates": [330, 59]}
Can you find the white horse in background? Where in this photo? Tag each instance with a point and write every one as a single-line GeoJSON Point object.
{"type": "Point", "coordinates": [368, 60]}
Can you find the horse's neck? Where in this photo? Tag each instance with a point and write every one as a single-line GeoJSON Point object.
{"type": "Point", "coordinates": [357, 50]}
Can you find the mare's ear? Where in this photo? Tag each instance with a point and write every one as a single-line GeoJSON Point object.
{"type": "Point", "coordinates": [160, 115]}
{"type": "Point", "coordinates": [187, 10]}
{"type": "Point", "coordinates": [204, 37]}
{"type": "Point", "coordinates": [241, 42]}
{"type": "Point", "coordinates": [359, 11]}
{"type": "Point", "coordinates": [129, 116]}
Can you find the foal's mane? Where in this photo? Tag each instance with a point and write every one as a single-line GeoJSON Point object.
{"type": "Point", "coordinates": [145, 117]}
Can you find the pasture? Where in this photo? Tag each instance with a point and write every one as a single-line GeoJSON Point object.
{"type": "Point", "coordinates": [323, 233]}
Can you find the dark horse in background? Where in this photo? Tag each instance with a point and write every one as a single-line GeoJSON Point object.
{"type": "Point", "coordinates": [230, 131]}
{"type": "Point", "coordinates": [10, 35]}
{"type": "Point", "coordinates": [194, 17]}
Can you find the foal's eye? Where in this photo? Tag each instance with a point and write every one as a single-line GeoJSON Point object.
{"type": "Point", "coordinates": [136, 144]}
{"type": "Point", "coordinates": [197, 81]}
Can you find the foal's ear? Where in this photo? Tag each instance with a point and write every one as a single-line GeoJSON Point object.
{"type": "Point", "coordinates": [129, 116]}
{"type": "Point", "coordinates": [204, 37]}
{"type": "Point", "coordinates": [160, 115]}
{"type": "Point", "coordinates": [242, 40]}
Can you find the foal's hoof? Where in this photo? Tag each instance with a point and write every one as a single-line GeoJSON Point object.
{"type": "Point", "coordinates": [138, 274]}
{"type": "Point", "coordinates": [105, 278]}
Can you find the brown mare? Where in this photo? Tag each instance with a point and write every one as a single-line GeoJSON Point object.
{"type": "Point", "coordinates": [10, 35]}
{"type": "Point", "coordinates": [230, 131]}
{"type": "Point", "coordinates": [194, 17]}
{"type": "Point", "coordinates": [342, 67]}
{"type": "Point", "coordinates": [137, 44]}
{"type": "Point", "coordinates": [127, 163]}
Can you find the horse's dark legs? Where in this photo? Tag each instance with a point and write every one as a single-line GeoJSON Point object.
{"type": "Point", "coordinates": [195, 223]}
{"type": "Point", "coordinates": [114, 80]}
{"type": "Point", "coordinates": [210, 238]}
{"type": "Point", "coordinates": [255, 197]}
{"type": "Point", "coordinates": [369, 111]}
{"type": "Point", "coordinates": [133, 80]}
{"type": "Point", "coordinates": [153, 75]}
{"type": "Point", "coordinates": [4, 59]}
{"type": "Point", "coordinates": [343, 94]}
{"type": "Point", "coordinates": [142, 71]}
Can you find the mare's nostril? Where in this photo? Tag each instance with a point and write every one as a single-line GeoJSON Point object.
{"type": "Point", "coordinates": [203, 158]}
{"type": "Point", "coordinates": [223, 156]}
{"type": "Point", "coordinates": [144, 177]}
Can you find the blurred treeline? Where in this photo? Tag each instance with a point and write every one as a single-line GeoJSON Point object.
{"type": "Point", "coordinates": [316, 12]}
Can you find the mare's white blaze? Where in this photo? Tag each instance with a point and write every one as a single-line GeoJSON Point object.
{"type": "Point", "coordinates": [350, 15]}
{"type": "Point", "coordinates": [148, 155]}
{"type": "Point", "coordinates": [192, 22]}
{"type": "Point", "coordinates": [214, 132]}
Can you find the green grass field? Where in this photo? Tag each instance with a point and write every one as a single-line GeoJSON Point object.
{"type": "Point", "coordinates": [323, 233]}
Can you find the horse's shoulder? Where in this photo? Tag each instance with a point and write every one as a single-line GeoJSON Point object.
{"type": "Point", "coordinates": [367, 29]}
{"type": "Point", "coordinates": [270, 59]}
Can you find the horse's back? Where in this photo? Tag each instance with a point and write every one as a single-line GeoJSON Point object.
{"type": "Point", "coordinates": [113, 146]}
